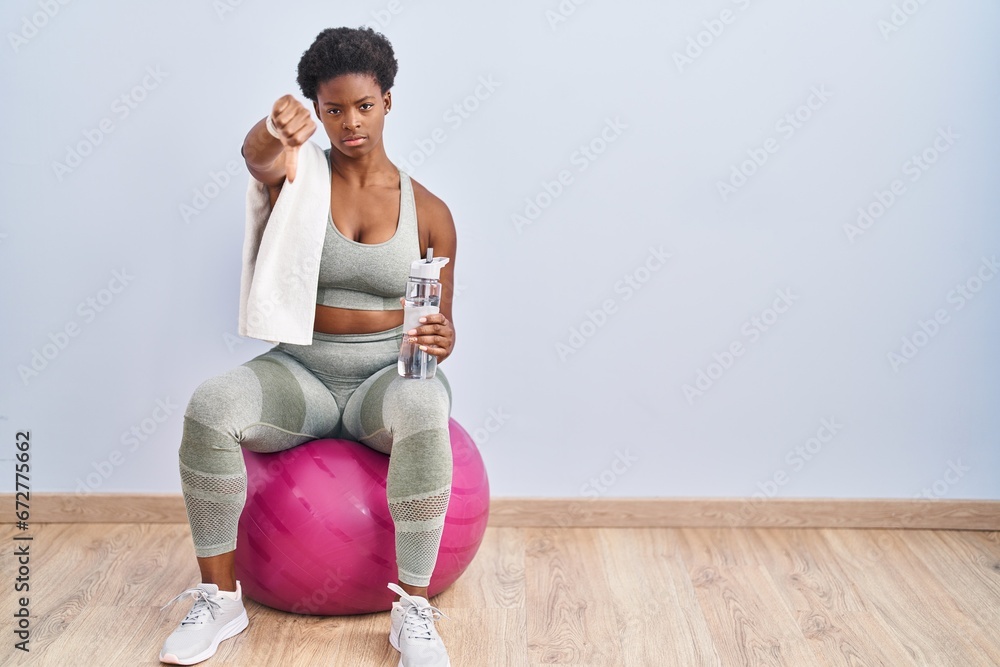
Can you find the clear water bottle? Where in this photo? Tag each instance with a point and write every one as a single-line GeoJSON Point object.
{"type": "Point", "coordinates": [423, 297]}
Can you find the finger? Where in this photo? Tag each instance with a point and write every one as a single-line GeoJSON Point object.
{"type": "Point", "coordinates": [282, 103]}
{"type": "Point", "coordinates": [435, 342]}
{"type": "Point", "coordinates": [295, 140]}
{"type": "Point", "coordinates": [430, 334]}
{"type": "Point", "coordinates": [293, 128]}
{"type": "Point", "coordinates": [291, 162]}
{"type": "Point", "coordinates": [435, 323]}
{"type": "Point", "coordinates": [439, 329]}
{"type": "Point", "coordinates": [434, 350]}
{"type": "Point", "coordinates": [287, 109]}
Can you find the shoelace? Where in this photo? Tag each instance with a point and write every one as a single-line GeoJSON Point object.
{"type": "Point", "coordinates": [201, 603]}
{"type": "Point", "coordinates": [419, 621]}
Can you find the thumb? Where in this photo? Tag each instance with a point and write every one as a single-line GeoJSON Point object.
{"type": "Point", "coordinates": [291, 162]}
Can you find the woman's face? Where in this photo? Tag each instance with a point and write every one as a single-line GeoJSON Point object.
{"type": "Point", "coordinates": [352, 108]}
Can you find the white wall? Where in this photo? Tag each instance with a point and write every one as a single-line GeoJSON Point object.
{"type": "Point", "coordinates": [615, 404]}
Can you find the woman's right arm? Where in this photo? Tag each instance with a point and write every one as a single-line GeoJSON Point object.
{"type": "Point", "coordinates": [269, 159]}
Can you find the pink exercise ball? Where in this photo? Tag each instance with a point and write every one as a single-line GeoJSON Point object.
{"type": "Point", "coordinates": [316, 536]}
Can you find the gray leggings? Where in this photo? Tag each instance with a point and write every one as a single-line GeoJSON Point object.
{"type": "Point", "coordinates": [341, 386]}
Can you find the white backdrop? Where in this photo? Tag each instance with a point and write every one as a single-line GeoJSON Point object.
{"type": "Point", "coordinates": [705, 249]}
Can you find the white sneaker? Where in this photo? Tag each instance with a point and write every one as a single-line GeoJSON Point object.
{"type": "Point", "coordinates": [212, 619]}
{"type": "Point", "coordinates": [412, 631]}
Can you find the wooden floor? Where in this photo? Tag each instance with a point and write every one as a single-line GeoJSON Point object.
{"type": "Point", "coordinates": [567, 596]}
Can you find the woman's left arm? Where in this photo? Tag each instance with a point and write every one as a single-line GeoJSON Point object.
{"type": "Point", "coordinates": [436, 335]}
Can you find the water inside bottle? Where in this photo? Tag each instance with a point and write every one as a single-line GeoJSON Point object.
{"type": "Point", "coordinates": [413, 362]}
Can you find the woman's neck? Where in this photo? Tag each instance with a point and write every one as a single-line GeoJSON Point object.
{"type": "Point", "coordinates": [374, 166]}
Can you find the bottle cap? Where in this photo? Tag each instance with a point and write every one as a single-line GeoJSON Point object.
{"type": "Point", "coordinates": [429, 268]}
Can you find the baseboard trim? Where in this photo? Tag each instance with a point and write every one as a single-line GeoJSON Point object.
{"type": "Point", "coordinates": [585, 513]}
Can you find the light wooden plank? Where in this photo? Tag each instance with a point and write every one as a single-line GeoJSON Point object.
{"type": "Point", "coordinates": [566, 590]}
{"type": "Point", "coordinates": [102, 508]}
{"type": "Point", "coordinates": [909, 601]}
{"type": "Point", "coordinates": [969, 576]}
{"type": "Point", "coordinates": [655, 604]}
{"type": "Point", "coordinates": [580, 596]}
{"type": "Point", "coordinates": [750, 622]}
{"type": "Point", "coordinates": [495, 578]}
{"type": "Point", "coordinates": [742, 513]}
{"type": "Point", "coordinates": [828, 607]}
{"type": "Point", "coordinates": [595, 512]}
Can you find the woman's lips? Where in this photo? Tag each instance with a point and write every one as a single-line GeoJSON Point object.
{"type": "Point", "coordinates": [353, 141]}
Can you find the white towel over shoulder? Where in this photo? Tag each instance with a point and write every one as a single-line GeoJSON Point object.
{"type": "Point", "coordinates": [281, 253]}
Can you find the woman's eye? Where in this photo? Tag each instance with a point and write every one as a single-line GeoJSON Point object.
{"type": "Point", "coordinates": [334, 111]}
{"type": "Point", "coordinates": [367, 105]}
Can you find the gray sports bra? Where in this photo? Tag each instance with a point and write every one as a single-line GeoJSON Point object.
{"type": "Point", "coordinates": [369, 276]}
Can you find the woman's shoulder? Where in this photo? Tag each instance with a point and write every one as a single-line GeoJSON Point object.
{"type": "Point", "coordinates": [430, 207]}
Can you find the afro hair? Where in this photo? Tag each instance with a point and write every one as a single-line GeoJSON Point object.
{"type": "Point", "coordinates": [339, 51]}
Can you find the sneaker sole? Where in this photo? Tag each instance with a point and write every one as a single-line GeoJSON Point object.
{"type": "Point", "coordinates": [231, 629]}
{"type": "Point", "coordinates": [396, 646]}
{"type": "Point", "coordinates": [447, 664]}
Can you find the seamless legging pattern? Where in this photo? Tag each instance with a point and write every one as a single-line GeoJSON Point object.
{"type": "Point", "coordinates": [341, 386]}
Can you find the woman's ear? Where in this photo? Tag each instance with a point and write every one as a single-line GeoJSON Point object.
{"type": "Point", "coordinates": [387, 100]}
